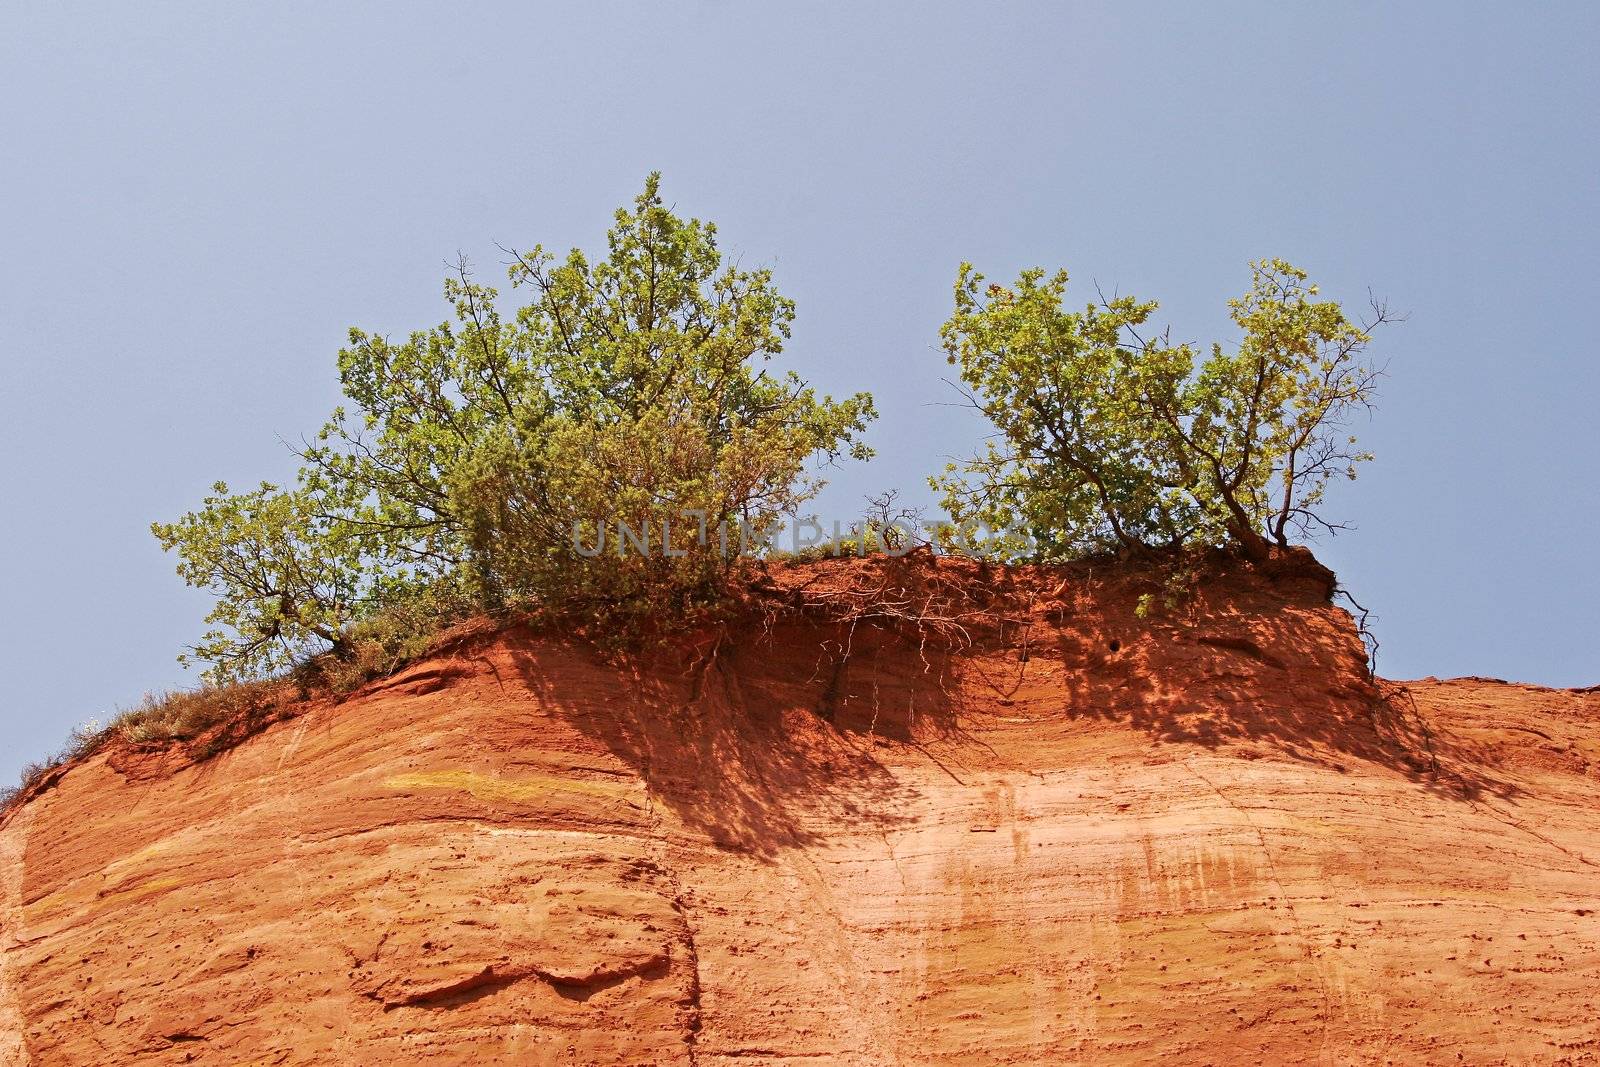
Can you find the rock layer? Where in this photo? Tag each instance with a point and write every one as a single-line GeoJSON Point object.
{"type": "Point", "coordinates": [1095, 838]}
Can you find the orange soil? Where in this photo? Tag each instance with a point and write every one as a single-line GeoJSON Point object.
{"type": "Point", "coordinates": [1211, 845]}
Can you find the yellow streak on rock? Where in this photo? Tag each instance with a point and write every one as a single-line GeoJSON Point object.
{"type": "Point", "coordinates": [514, 790]}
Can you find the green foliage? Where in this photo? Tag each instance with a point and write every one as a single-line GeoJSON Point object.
{"type": "Point", "coordinates": [475, 458]}
{"type": "Point", "coordinates": [1108, 441]}
{"type": "Point", "coordinates": [287, 573]}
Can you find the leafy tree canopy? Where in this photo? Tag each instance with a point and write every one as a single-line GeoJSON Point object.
{"type": "Point", "coordinates": [1113, 438]}
{"type": "Point", "coordinates": [476, 457]}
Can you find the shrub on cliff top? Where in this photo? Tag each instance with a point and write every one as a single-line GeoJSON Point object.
{"type": "Point", "coordinates": [1110, 439]}
{"type": "Point", "coordinates": [476, 456]}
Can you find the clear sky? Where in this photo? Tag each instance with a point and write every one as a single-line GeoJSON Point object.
{"type": "Point", "coordinates": [196, 201]}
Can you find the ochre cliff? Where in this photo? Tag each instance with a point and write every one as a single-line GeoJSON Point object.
{"type": "Point", "coordinates": [1089, 838]}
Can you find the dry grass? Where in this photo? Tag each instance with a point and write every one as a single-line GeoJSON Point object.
{"type": "Point", "coordinates": [84, 741]}
{"type": "Point", "coordinates": [211, 720]}
{"type": "Point", "coordinates": [215, 718]}
{"type": "Point", "coordinates": [189, 714]}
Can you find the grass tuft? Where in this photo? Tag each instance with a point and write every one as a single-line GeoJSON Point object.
{"type": "Point", "coordinates": [214, 718]}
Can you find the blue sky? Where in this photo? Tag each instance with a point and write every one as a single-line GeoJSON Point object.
{"type": "Point", "coordinates": [197, 200]}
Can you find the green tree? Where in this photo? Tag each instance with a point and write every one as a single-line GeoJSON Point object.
{"type": "Point", "coordinates": [1111, 440]}
{"type": "Point", "coordinates": [288, 577]}
{"type": "Point", "coordinates": [486, 454]}
{"type": "Point", "coordinates": [662, 408]}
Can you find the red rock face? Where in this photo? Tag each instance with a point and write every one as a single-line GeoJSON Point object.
{"type": "Point", "coordinates": [1211, 844]}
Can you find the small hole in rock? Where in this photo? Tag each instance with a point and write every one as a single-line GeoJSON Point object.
{"type": "Point", "coordinates": [1115, 645]}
